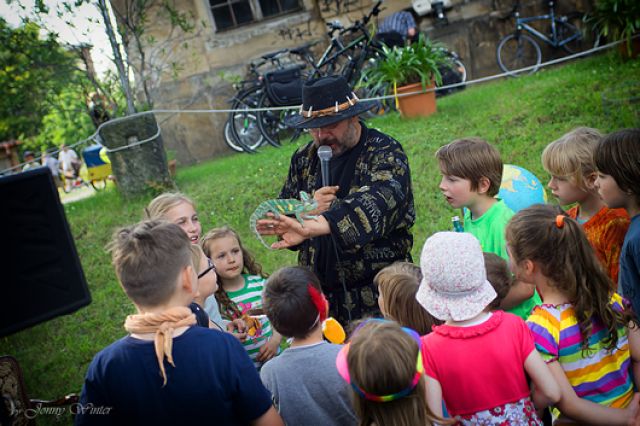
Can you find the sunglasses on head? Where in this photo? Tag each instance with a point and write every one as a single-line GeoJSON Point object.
{"type": "Point", "coordinates": [211, 267]}
{"type": "Point", "coordinates": [343, 368]}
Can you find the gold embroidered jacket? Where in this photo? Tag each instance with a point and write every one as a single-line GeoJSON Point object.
{"type": "Point", "coordinates": [370, 224]}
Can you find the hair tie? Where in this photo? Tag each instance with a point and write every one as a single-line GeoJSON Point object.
{"type": "Point", "coordinates": [560, 221]}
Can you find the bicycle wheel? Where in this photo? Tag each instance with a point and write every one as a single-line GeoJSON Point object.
{"type": "Point", "coordinates": [453, 73]}
{"type": "Point", "coordinates": [571, 27]}
{"type": "Point", "coordinates": [244, 133]}
{"type": "Point", "coordinates": [364, 91]}
{"type": "Point", "coordinates": [272, 122]}
{"type": "Point", "coordinates": [517, 51]}
{"type": "Point", "coordinates": [228, 135]}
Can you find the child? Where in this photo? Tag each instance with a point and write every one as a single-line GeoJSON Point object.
{"type": "Point", "coordinates": [181, 210]}
{"type": "Point", "coordinates": [166, 371]}
{"type": "Point", "coordinates": [618, 162]}
{"type": "Point", "coordinates": [581, 330]}
{"type": "Point", "coordinates": [471, 176]}
{"type": "Point", "coordinates": [509, 292]}
{"type": "Point", "coordinates": [477, 361]}
{"type": "Point", "coordinates": [303, 381]}
{"type": "Point", "coordinates": [397, 298]}
{"type": "Point", "coordinates": [240, 292]}
{"type": "Point", "coordinates": [383, 365]}
{"type": "Point", "coordinates": [569, 161]}
{"type": "Point", "coordinates": [207, 285]}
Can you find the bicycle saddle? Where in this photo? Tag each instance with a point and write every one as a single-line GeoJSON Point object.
{"type": "Point", "coordinates": [272, 55]}
{"type": "Point", "coordinates": [300, 50]}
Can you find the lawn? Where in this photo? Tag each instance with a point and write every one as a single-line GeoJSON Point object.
{"type": "Point", "coordinates": [519, 116]}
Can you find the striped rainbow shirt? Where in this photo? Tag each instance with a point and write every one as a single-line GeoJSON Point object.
{"type": "Point", "coordinates": [598, 375]}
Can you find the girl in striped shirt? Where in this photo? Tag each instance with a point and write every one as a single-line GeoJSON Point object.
{"type": "Point", "coordinates": [239, 293]}
{"type": "Point", "coordinates": [584, 331]}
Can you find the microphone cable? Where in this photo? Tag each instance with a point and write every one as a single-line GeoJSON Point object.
{"type": "Point", "coordinates": [341, 274]}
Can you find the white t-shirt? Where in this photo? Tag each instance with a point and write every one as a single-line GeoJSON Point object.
{"type": "Point", "coordinates": [67, 158]}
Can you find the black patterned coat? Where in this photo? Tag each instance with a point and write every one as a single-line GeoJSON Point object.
{"type": "Point", "coordinates": [371, 220]}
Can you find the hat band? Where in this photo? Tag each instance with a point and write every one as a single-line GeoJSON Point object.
{"type": "Point", "coordinates": [330, 110]}
{"type": "Point", "coordinates": [456, 293]}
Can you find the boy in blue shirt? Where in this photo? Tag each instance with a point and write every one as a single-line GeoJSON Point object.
{"type": "Point", "coordinates": [167, 371]}
{"type": "Point", "coordinates": [471, 171]}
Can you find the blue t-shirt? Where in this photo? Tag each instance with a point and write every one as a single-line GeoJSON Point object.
{"type": "Point", "coordinates": [630, 265]}
{"type": "Point", "coordinates": [213, 382]}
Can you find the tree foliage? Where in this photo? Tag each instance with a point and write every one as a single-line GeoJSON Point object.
{"type": "Point", "coordinates": [34, 71]}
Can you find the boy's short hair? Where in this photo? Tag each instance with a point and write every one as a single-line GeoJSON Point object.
{"type": "Point", "coordinates": [148, 258]}
{"type": "Point", "coordinates": [618, 155]}
{"type": "Point", "coordinates": [472, 159]}
{"type": "Point", "coordinates": [499, 276]}
{"type": "Point", "coordinates": [288, 304]}
{"type": "Point", "coordinates": [571, 156]}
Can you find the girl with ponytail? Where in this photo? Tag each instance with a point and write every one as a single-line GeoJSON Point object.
{"type": "Point", "coordinates": [584, 331]}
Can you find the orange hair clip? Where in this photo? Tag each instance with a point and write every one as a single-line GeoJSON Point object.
{"type": "Point", "coordinates": [560, 220]}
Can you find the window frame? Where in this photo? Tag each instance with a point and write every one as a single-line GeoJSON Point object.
{"type": "Point", "coordinates": [256, 10]}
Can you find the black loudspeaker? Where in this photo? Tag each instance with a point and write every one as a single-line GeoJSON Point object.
{"type": "Point", "coordinates": [40, 273]}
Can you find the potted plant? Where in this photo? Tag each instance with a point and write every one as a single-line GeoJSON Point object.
{"type": "Point", "coordinates": [618, 20]}
{"type": "Point", "coordinates": [407, 69]}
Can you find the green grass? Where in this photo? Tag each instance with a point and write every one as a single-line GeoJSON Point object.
{"type": "Point", "coordinates": [520, 116]}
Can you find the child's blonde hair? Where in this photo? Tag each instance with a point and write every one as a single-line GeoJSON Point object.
{"type": "Point", "coordinates": [196, 256]}
{"type": "Point", "coordinates": [398, 290]}
{"type": "Point", "coordinates": [545, 235]}
{"type": "Point", "coordinates": [159, 206]}
{"type": "Point", "coordinates": [472, 159]}
{"type": "Point", "coordinates": [382, 361]}
{"type": "Point", "coordinates": [499, 276]}
{"type": "Point", "coordinates": [571, 156]}
{"type": "Point", "coordinates": [402, 267]}
{"type": "Point", "coordinates": [249, 266]}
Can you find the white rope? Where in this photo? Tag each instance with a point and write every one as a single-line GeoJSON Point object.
{"type": "Point", "coordinates": [137, 143]}
{"type": "Point", "coordinates": [96, 136]}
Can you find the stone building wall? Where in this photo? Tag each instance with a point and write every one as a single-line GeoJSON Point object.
{"type": "Point", "coordinates": [198, 83]}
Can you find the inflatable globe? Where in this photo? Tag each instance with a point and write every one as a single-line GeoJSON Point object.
{"type": "Point", "coordinates": [520, 188]}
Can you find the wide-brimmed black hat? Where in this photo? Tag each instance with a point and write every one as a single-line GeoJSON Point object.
{"type": "Point", "coordinates": [327, 100]}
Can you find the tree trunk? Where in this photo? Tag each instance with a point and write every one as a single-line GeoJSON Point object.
{"type": "Point", "coordinates": [117, 57]}
{"type": "Point", "coordinates": [137, 168]}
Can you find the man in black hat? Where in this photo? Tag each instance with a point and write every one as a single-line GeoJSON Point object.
{"type": "Point", "coordinates": [364, 215]}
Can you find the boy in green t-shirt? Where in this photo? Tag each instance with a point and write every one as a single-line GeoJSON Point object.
{"type": "Point", "coordinates": [471, 171]}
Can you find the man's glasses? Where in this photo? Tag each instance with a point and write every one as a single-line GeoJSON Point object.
{"type": "Point", "coordinates": [211, 267]}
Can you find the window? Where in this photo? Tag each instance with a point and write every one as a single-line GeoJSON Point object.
{"type": "Point", "coordinates": [229, 14]}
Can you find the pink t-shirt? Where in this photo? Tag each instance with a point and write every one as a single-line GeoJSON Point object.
{"type": "Point", "coordinates": [481, 366]}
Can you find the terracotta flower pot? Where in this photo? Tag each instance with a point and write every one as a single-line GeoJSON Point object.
{"type": "Point", "coordinates": [418, 105]}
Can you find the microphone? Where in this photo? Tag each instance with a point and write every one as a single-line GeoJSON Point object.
{"type": "Point", "coordinates": [324, 154]}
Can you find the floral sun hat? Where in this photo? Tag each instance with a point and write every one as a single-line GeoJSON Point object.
{"type": "Point", "coordinates": [455, 285]}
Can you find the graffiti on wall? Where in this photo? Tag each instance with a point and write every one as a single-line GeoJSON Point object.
{"type": "Point", "coordinates": [338, 6]}
{"type": "Point", "coordinates": [297, 33]}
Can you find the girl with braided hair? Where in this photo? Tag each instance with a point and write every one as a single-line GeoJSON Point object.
{"type": "Point", "coordinates": [239, 293]}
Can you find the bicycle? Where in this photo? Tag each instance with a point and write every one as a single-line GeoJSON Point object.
{"type": "Point", "coordinates": [284, 87]}
{"type": "Point", "coordinates": [519, 50]}
{"type": "Point", "coordinates": [241, 129]}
